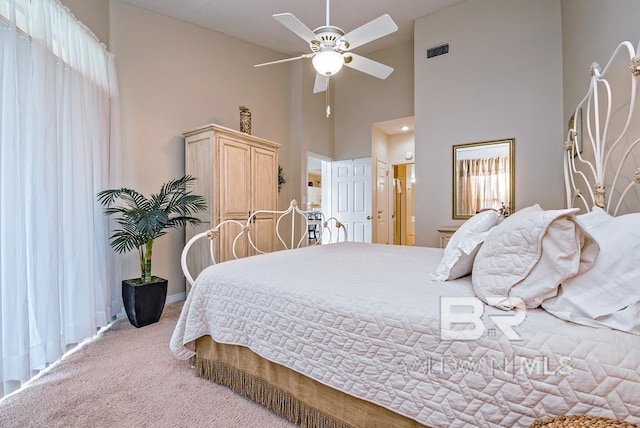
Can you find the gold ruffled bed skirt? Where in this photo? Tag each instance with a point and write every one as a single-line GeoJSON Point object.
{"type": "Point", "coordinates": [311, 404]}
{"type": "Point", "coordinates": [299, 399]}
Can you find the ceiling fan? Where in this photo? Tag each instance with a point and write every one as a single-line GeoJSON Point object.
{"type": "Point", "coordinates": [331, 47]}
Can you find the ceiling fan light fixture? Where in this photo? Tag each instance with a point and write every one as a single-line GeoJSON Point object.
{"type": "Point", "coordinates": [330, 47]}
{"type": "Point", "coordinates": [328, 63]}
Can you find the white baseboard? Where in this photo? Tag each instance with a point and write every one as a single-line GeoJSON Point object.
{"type": "Point", "coordinates": [176, 298]}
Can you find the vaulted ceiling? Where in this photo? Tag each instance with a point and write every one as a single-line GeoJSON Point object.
{"type": "Point", "coordinates": [252, 21]}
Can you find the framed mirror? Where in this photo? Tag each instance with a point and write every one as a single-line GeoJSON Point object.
{"type": "Point", "coordinates": [483, 177]}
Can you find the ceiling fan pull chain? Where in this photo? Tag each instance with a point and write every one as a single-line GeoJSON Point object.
{"type": "Point", "coordinates": [327, 100]}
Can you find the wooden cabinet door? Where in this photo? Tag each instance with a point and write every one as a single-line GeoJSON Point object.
{"type": "Point", "coordinates": [228, 233]}
{"type": "Point", "coordinates": [263, 234]}
{"type": "Point", "coordinates": [235, 179]}
{"type": "Point", "coordinates": [235, 193]}
{"type": "Point", "coordinates": [264, 195]}
{"type": "Point", "coordinates": [264, 179]}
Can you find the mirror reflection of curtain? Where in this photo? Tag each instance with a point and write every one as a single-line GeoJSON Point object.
{"type": "Point", "coordinates": [483, 183]}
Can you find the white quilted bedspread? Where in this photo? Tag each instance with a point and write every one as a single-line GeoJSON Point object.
{"type": "Point", "coordinates": [364, 319]}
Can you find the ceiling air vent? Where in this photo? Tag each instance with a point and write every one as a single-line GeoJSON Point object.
{"type": "Point", "coordinates": [435, 51]}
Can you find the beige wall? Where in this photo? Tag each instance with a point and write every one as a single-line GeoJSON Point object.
{"type": "Point", "coordinates": [175, 76]}
{"type": "Point", "coordinates": [502, 79]}
{"type": "Point", "coordinates": [399, 145]}
{"type": "Point", "coordinates": [591, 30]}
{"type": "Point", "coordinates": [362, 100]}
{"type": "Point", "coordinates": [379, 145]}
{"type": "Point", "coordinates": [312, 130]}
{"type": "Point", "coordinates": [94, 14]}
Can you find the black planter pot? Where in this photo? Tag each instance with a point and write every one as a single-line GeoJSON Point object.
{"type": "Point", "coordinates": [144, 302]}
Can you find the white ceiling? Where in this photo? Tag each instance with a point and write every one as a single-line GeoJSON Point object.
{"type": "Point", "coordinates": [252, 20]}
{"type": "Point", "coordinates": [394, 126]}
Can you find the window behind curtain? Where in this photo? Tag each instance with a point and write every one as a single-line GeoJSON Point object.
{"type": "Point", "coordinates": [59, 146]}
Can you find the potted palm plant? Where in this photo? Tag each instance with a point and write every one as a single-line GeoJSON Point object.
{"type": "Point", "coordinates": [141, 220]}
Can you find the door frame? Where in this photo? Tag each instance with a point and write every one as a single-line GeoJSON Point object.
{"type": "Point", "coordinates": [326, 181]}
{"type": "Point", "coordinates": [387, 211]}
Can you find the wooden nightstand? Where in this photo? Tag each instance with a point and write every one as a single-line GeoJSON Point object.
{"type": "Point", "coordinates": [445, 234]}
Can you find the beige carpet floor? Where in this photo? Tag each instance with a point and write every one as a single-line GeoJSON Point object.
{"type": "Point", "coordinates": [128, 377]}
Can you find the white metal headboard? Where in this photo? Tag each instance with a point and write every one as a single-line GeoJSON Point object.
{"type": "Point", "coordinates": [299, 223]}
{"type": "Point", "coordinates": [605, 160]}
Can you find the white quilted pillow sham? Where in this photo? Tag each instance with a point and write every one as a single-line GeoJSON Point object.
{"type": "Point", "coordinates": [463, 246]}
{"type": "Point", "coordinates": [609, 293]}
{"type": "Point", "coordinates": [528, 255]}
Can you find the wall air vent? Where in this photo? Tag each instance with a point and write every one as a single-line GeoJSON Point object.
{"type": "Point", "coordinates": [435, 51]}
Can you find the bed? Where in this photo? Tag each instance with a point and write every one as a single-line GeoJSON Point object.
{"type": "Point", "coordinates": [518, 319]}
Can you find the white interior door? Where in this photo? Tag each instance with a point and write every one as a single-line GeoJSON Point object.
{"type": "Point", "coordinates": [382, 202]}
{"type": "Point", "coordinates": [351, 197]}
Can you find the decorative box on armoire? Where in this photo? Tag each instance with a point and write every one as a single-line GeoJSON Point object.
{"type": "Point", "coordinates": [237, 174]}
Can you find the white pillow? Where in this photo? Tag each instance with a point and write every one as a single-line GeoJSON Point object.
{"type": "Point", "coordinates": [627, 319]}
{"type": "Point", "coordinates": [463, 246]}
{"type": "Point", "coordinates": [607, 294]}
{"type": "Point", "coordinates": [528, 255]}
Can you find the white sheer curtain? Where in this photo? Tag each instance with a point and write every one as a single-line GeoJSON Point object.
{"type": "Point", "coordinates": [59, 135]}
{"type": "Point", "coordinates": [484, 183]}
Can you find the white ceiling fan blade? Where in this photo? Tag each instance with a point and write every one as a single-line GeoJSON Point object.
{"type": "Point", "coordinates": [367, 65]}
{"type": "Point", "coordinates": [295, 25]}
{"type": "Point", "coordinates": [321, 83]}
{"type": "Point", "coordinates": [370, 31]}
{"type": "Point", "coordinates": [284, 60]}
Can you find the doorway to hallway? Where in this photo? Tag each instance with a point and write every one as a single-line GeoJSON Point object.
{"type": "Point", "coordinates": [341, 189]}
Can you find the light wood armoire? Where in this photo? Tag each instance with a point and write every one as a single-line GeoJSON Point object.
{"type": "Point", "coordinates": [237, 174]}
